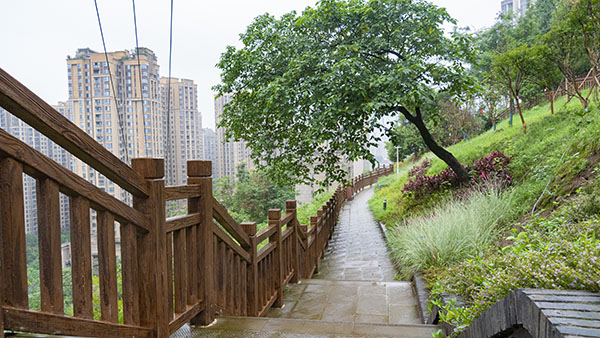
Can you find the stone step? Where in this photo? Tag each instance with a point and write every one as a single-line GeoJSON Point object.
{"type": "Point", "coordinates": [349, 301]}
{"type": "Point", "coordinates": [282, 327]}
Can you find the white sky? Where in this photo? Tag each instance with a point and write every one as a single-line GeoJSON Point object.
{"type": "Point", "coordinates": [37, 35]}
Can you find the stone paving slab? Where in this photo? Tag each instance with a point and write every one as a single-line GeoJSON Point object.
{"type": "Point", "coordinates": [357, 249]}
{"type": "Point", "coordinates": [278, 328]}
{"type": "Point", "coordinates": [349, 301]}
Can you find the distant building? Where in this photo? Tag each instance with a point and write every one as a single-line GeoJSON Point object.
{"type": "Point", "coordinates": [519, 7]}
{"type": "Point", "coordinates": [128, 108]}
{"type": "Point", "coordinates": [41, 143]}
{"type": "Point", "coordinates": [229, 153]}
{"type": "Point", "coordinates": [209, 149]}
{"type": "Point", "coordinates": [184, 128]}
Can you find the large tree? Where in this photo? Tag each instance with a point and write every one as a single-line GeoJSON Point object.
{"type": "Point", "coordinates": [309, 90]}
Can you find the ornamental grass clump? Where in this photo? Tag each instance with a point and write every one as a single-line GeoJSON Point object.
{"type": "Point", "coordinates": [453, 231]}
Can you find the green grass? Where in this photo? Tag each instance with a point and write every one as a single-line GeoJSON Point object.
{"type": "Point", "coordinates": [536, 156]}
{"type": "Point", "coordinates": [452, 231]}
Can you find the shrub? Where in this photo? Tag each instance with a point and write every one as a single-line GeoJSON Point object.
{"type": "Point", "coordinates": [453, 232]}
{"type": "Point", "coordinates": [560, 252]}
{"type": "Point", "coordinates": [491, 168]}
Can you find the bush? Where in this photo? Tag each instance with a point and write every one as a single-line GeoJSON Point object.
{"type": "Point", "coordinates": [453, 232]}
{"type": "Point", "coordinates": [559, 252]}
{"type": "Point", "coordinates": [491, 168]}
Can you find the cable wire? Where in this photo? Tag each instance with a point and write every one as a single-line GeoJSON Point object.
{"type": "Point", "coordinates": [169, 158]}
{"type": "Point", "coordinates": [141, 86]}
{"type": "Point", "coordinates": [112, 84]}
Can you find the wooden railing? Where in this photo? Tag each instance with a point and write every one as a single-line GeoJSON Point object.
{"type": "Point", "coordinates": [177, 270]}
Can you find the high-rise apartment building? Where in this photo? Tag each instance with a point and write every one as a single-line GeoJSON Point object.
{"type": "Point", "coordinates": [41, 143]}
{"type": "Point", "coordinates": [229, 153]}
{"type": "Point", "coordinates": [183, 139]}
{"type": "Point", "coordinates": [117, 102]}
{"type": "Point", "coordinates": [519, 7]}
{"type": "Point", "coordinates": [209, 148]}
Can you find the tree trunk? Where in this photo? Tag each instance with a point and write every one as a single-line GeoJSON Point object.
{"type": "Point", "coordinates": [443, 154]}
{"type": "Point", "coordinates": [521, 115]}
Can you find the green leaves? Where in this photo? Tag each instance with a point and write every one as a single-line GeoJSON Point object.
{"type": "Point", "coordinates": [311, 89]}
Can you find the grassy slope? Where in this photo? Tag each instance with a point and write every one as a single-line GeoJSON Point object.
{"type": "Point", "coordinates": [536, 156]}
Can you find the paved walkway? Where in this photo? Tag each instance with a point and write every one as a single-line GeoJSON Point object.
{"type": "Point", "coordinates": [355, 282]}
{"type": "Point", "coordinates": [357, 250]}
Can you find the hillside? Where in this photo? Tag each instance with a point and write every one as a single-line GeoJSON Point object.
{"type": "Point", "coordinates": [480, 243]}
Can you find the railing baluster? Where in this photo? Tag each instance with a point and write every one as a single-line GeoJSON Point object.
{"type": "Point", "coordinates": [253, 294]}
{"type": "Point", "coordinates": [170, 274]}
{"type": "Point", "coordinates": [81, 258]}
{"type": "Point", "coordinates": [192, 264]}
{"type": "Point", "coordinates": [107, 266]}
{"type": "Point", "coordinates": [48, 205]}
{"type": "Point", "coordinates": [274, 220]}
{"type": "Point", "coordinates": [129, 258]}
{"type": "Point", "coordinates": [180, 270]}
{"type": "Point", "coordinates": [229, 279]}
{"type": "Point", "coordinates": [12, 234]}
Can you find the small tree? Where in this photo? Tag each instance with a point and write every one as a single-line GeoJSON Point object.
{"type": "Point", "coordinates": [512, 68]}
{"type": "Point", "coordinates": [491, 97]}
{"type": "Point", "coordinates": [309, 90]}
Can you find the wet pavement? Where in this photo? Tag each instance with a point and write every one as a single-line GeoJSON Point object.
{"type": "Point", "coordinates": [357, 250]}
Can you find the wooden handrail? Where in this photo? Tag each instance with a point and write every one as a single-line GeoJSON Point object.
{"type": "Point", "coordinates": [23, 103]}
{"type": "Point", "coordinates": [222, 216]}
{"type": "Point", "coordinates": [37, 165]}
{"type": "Point", "coordinates": [181, 192]}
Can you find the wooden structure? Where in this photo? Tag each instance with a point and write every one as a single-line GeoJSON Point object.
{"type": "Point", "coordinates": [176, 270]}
{"type": "Point", "coordinates": [534, 313]}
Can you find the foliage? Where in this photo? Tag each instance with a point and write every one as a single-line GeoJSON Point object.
{"type": "Point", "coordinates": [321, 81]}
{"type": "Point", "coordinates": [451, 232]}
{"type": "Point", "coordinates": [492, 168]}
{"type": "Point", "coordinates": [251, 196]}
{"type": "Point", "coordinates": [305, 211]}
{"type": "Point", "coordinates": [420, 170]}
{"type": "Point", "coordinates": [559, 252]}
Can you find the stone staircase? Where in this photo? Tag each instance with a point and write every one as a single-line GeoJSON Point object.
{"type": "Point", "coordinates": [352, 295]}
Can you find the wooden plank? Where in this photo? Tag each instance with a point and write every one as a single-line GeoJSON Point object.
{"type": "Point", "coordinates": [180, 270]}
{"type": "Point", "coordinates": [234, 229]}
{"type": "Point", "coordinates": [27, 106]}
{"type": "Point", "coordinates": [230, 243]}
{"type": "Point", "coordinates": [131, 302]}
{"type": "Point", "coordinates": [229, 285]}
{"type": "Point", "coordinates": [183, 221]}
{"type": "Point", "coordinates": [181, 192]}
{"type": "Point", "coordinates": [265, 233]}
{"type": "Point", "coordinates": [185, 317]}
{"type": "Point", "coordinates": [48, 211]}
{"type": "Point", "coordinates": [40, 166]}
{"type": "Point", "coordinates": [107, 267]}
{"type": "Point", "coordinates": [244, 288]}
{"type": "Point", "coordinates": [40, 322]}
{"type": "Point", "coordinates": [264, 251]}
{"type": "Point", "coordinates": [237, 285]}
{"type": "Point", "coordinates": [222, 274]}
{"type": "Point", "coordinates": [81, 258]}
{"type": "Point", "coordinates": [287, 219]}
{"type": "Point", "coordinates": [170, 274]}
{"type": "Point", "coordinates": [192, 264]}
{"type": "Point", "coordinates": [12, 233]}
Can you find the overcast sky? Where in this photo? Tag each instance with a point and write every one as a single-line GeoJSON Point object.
{"type": "Point", "coordinates": [37, 35]}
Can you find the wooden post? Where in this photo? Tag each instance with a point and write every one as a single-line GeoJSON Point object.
{"type": "Point", "coordinates": [199, 173]}
{"type": "Point", "coordinates": [274, 220]}
{"type": "Point", "coordinates": [290, 207]}
{"type": "Point", "coordinates": [252, 284]}
{"type": "Point", "coordinates": [152, 248]}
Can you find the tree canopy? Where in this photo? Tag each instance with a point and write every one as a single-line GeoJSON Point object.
{"type": "Point", "coordinates": [309, 90]}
